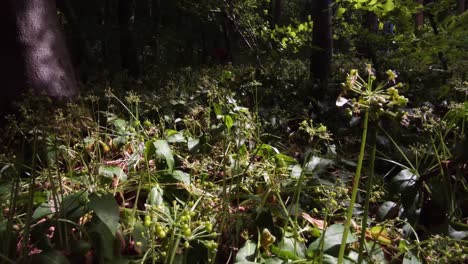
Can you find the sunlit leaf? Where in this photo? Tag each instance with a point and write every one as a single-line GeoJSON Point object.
{"type": "Point", "coordinates": [112, 171]}
{"type": "Point", "coordinates": [332, 238]}
{"type": "Point", "coordinates": [340, 101]}
{"type": "Point", "coordinates": [163, 150]}
{"type": "Point", "coordinates": [246, 253]}
{"type": "Point", "coordinates": [155, 197]}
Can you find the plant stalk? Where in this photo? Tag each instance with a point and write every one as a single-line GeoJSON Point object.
{"type": "Point", "coordinates": [362, 241]}
{"type": "Point", "coordinates": [349, 215]}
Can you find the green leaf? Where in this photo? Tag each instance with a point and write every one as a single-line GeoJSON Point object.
{"type": "Point", "coordinates": [411, 259]}
{"type": "Point", "coordinates": [385, 209]}
{"type": "Point", "coordinates": [332, 238]}
{"type": "Point", "coordinates": [173, 136]}
{"type": "Point", "coordinates": [105, 207]}
{"type": "Point", "coordinates": [246, 253]}
{"type": "Point", "coordinates": [193, 144]}
{"type": "Point", "coordinates": [228, 121]}
{"type": "Point", "coordinates": [181, 176]}
{"type": "Point", "coordinates": [111, 172]}
{"type": "Point", "coordinates": [389, 6]}
{"type": "Point", "coordinates": [155, 197]}
{"type": "Point", "coordinates": [160, 149]}
{"type": "Point", "coordinates": [403, 180]}
{"type": "Point", "coordinates": [42, 211]}
{"type": "Point", "coordinates": [163, 150]}
{"type": "Point", "coordinates": [340, 11]}
{"type": "Point", "coordinates": [289, 248]}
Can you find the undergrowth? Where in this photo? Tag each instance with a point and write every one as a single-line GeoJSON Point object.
{"type": "Point", "coordinates": [219, 167]}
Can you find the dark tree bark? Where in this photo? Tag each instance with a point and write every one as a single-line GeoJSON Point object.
{"type": "Point", "coordinates": [277, 9]}
{"type": "Point", "coordinates": [80, 50]}
{"type": "Point", "coordinates": [128, 45]}
{"type": "Point", "coordinates": [322, 45]}
{"type": "Point", "coordinates": [461, 6]}
{"type": "Point", "coordinates": [227, 38]}
{"type": "Point", "coordinates": [156, 23]}
{"type": "Point", "coordinates": [419, 17]}
{"type": "Point", "coordinates": [35, 54]}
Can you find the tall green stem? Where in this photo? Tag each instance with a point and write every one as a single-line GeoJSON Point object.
{"type": "Point", "coordinates": [349, 215]}
{"type": "Point", "coordinates": [368, 193]}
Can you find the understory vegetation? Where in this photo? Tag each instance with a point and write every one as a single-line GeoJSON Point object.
{"type": "Point", "coordinates": [214, 168]}
{"type": "Point", "coordinates": [239, 132]}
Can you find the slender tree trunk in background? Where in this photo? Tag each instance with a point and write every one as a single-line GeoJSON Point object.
{"type": "Point", "coordinates": [227, 39]}
{"type": "Point", "coordinates": [461, 6]}
{"type": "Point", "coordinates": [81, 53]}
{"type": "Point", "coordinates": [277, 9]}
{"type": "Point", "coordinates": [419, 17]}
{"type": "Point", "coordinates": [322, 45]}
{"type": "Point", "coordinates": [156, 17]}
{"type": "Point", "coordinates": [128, 47]}
{"type": "Point", "coordinates": [35, 54]}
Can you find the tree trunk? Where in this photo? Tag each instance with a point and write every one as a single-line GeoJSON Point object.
{"type": "Point", "coordinates": [461, 6]}
{"type": "Point", "coordinates": [80, 50]}
{"type": "Point", "coordinates": [419, 17]}
{"type": "Point", "coordinates": [156, 17]}
{"type": "Point", "coordinates": [322, 45]}
{"type": "Point", "coordinates": [35, 54]}
{"type": "Point", "coordinates": [227, 40]}
{"type": "Point", "coordinates": [277, 8]}
{"type": "Point", "coordinates": [128, 47]}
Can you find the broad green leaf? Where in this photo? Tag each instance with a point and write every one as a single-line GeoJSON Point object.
{"type": "Point", "coordinates": [385, 209]}
{"type": "Point", "coordinates": [42, 211]}
{"type": "Point", "coordinates": [174, 136]}
{"type": "Point", "coordinates": [155, 197]}
{"type": "Point", "coordinates": [111, 172]}
{"type": "Point", "coordinates": [181, 176]}
{"type": "Point", "coordinates": [193, 144]}
{"type": "Point", "coordinates": [246, 253]}
{"type": "Point", "coordinates": [316, 164]}
{"type": "Point", "coordinates": [332, 237]}
{"type": "Point", "coordinates": [411, 259]}
{"type": "Point", "coordinates": [404, 179]}
{"type": "Point", "coordinates": [105, 207]}
{"type": "Point", "coordinates": [290, 248]}
{"type": "Point", "coordinates": [163, 150]}
{"type": "Point", "coordinates": [72, 205]}
{"type": "Point", "coordinates": [389, 6]}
